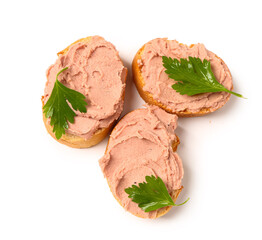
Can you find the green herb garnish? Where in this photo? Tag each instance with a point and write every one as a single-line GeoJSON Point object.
{"type": "Point", "coordinates": [193, 76]}
{"type": "Point", "coordinates": [58, 109]}
{"type": "Point", "coordinates": [151, 195]}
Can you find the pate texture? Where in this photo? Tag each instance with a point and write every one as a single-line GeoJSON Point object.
{"type": "Point", "coordinates": [95, 70]}
{"type": "Point", "coordinates": [157, 83]}
{"type": "Point", "coordinates": [141, 145]}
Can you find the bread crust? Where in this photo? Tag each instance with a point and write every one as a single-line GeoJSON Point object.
{"type": "Point", "coordinates": [73, 140]}
{"type": "Point", "coordinates": [148, 98]}
{"type": "Point", "coordinates": [174, 194]}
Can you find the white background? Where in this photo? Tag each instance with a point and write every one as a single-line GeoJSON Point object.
{"type": "Point", "coordinates": [50, 191]}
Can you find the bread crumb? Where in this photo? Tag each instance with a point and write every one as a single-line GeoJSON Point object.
{"type": "Point", "coordinates": [139, 63]}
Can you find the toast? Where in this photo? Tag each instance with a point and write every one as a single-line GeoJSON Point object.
{"type": "Point", "coordinates": [75, 140]}
{"type": "Point", "coordinates": [148, 96]}
{"type": "Point", "coordinates": [114, 137]}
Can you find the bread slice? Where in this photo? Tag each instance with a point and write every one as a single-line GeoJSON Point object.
{"type": "Point", "coordinates": [74, 140]}
{"type": "Point", "coordinates": [147, 96]}
{"type": "Point", "coordinates": [174, 194]}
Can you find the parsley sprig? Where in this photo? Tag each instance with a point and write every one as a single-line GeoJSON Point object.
{"type": "Point", "coordinates": [58, 109]}
{"type": "Point", "coordinates": [193, 76]}
{"type": "Point", "coordinates": [151, 195]}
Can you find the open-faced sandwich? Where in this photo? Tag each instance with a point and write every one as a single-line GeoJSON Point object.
{"type": "Point", "coordinates": [84, 92]}
{"type": "Point", "coordinates": [140, 164]}
{"type": "Point", "coordinates": [184, 80]}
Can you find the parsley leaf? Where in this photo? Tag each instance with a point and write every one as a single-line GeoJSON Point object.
{"type": "Point", "coordinates": [58, 109]}
{"type": "Point", "coordinates": [151, 195]}
{"type": "Point", "coordinates": [193, 76]}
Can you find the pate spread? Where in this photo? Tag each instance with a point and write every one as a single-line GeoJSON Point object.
{"type": "Point", "coordinates": [157, 83]}
{"type": "Point", "coordinates": [141, 145]}
{"type": "Point", "coordinates": [95, 70]}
